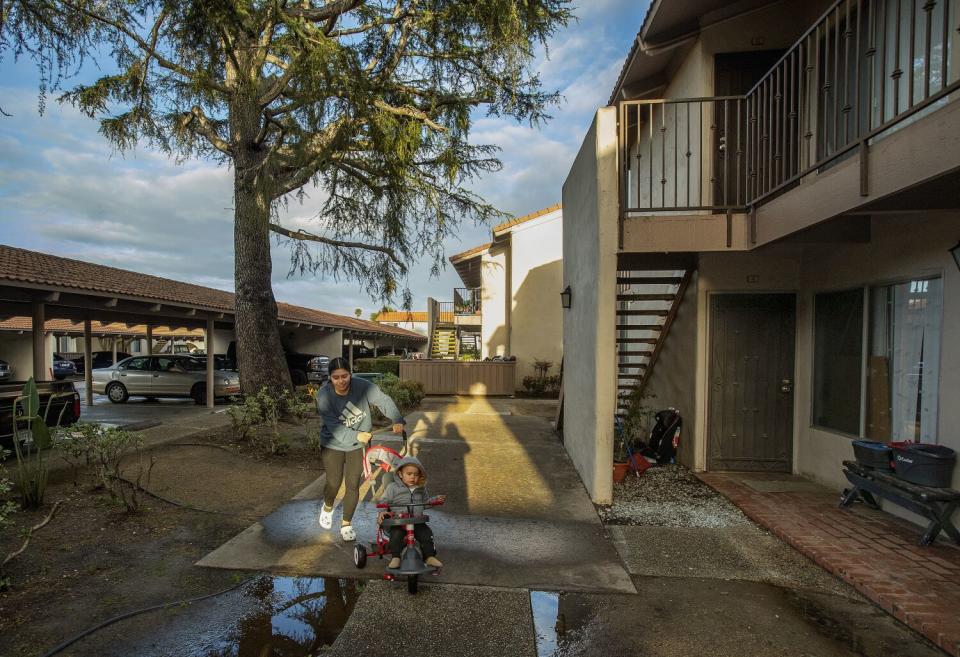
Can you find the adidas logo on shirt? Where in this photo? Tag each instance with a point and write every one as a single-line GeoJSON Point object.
{"type": "Point", "coordinates": [351, 416]}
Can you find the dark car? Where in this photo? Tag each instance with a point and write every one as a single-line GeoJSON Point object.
{"type": "Point", "coordinates": [6, 372]}
{"type": "Point", "coordinates": [101, 359]}
{"type": "Point", "coordinates": [220, 361]}
{"type": "Point", "coordinates": [58, 399]}
{"type": "Point", "coordinates": [62, 368]}
{"type": "Point", "coordinates": [298, 364]}
{"type": "Point", "coordinates": [318, 369]}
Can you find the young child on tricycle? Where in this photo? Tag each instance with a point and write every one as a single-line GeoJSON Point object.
{"type": "Point", "coordinates": [406, 493]}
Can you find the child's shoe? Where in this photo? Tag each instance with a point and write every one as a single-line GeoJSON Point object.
{"type": "Point", "coordinates": [433, 562]}
{"type": "Point", "coordinates": [394, 563]}
{"type": "Point", "coordinates": [326, 517]}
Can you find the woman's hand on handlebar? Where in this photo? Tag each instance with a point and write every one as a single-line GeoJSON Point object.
{"type": "Point", "coordinates": [382, 516]}
{"type": "Point", "coordinates": [364, 437]}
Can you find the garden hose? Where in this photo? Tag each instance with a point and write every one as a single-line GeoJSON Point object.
{"type": "Point", "coordinates": [110, 621]}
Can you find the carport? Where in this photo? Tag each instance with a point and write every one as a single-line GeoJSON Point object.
{"type": "Point", "coordinates": [44, 287]}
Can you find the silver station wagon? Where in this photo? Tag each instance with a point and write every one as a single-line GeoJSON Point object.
{"type": "Point", "coordinates": [162, 376]}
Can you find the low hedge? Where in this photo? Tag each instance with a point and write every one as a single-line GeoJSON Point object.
{"type": "Point", "coordinates": [384, 365]}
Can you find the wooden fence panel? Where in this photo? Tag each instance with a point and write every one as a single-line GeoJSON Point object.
{"type": "Point", "coordinates": [448, 377]}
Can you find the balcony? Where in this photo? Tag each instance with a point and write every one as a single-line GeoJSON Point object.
{"type": "Point", "coordinates": [827, 110]}
{"type": "Point", "coordinates": [466, 301]}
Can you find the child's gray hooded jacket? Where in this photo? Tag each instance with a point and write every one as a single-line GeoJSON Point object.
{"type": "Point", "coordinates": [397, 493]}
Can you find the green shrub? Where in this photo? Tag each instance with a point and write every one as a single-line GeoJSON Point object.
{"type": "Point", "coordinates": [104, 449]}
{"type": "Point", "coordinates": [537, 385]}
{"type": "Point", "coordinates": [407, 395]}
{"type": "Point", "coordinates": [383, 365]}
{"type": "Point", "coordinates": [256, 418]}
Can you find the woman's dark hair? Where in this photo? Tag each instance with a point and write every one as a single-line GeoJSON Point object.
{"type": "Point", "coordinates": [338, 364]}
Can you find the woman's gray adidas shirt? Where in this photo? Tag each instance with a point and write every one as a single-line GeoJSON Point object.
{"type": "Point", "coordinates": [344, 417]}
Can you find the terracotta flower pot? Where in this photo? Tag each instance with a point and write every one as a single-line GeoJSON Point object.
{"type": "Point", "coordinates": [620, 471]}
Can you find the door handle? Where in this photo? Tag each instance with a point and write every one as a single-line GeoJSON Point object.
{"type": "Point", "coordinates": [786, 386]}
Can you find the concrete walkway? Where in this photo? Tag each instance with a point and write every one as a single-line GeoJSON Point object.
{"type": "Point", "coordinates": [516, 515]}
{"type": "Point", "coordinates": [875, 552]}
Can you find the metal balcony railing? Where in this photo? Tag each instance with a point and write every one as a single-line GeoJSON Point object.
{"type": "Point", "coordinates": [865, 67]}
{"type": "Point", "coordinates": [445, 312]}
{"type": "Point", "coordinates": [466, 301]}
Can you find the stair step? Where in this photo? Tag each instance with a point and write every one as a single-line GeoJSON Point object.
{"type": "Point", "coordinates": [635, 313]}
{"type": "Point", "coordinates": [650, 280]}
{"type": "Point", "coordinates": [637, 366]}
{"type": "Point", "coordinates": [636, 341]}
{"type": "Point", "coordinates": [639, 327]}
{"type": "Point", "coordinates": [646, 297]}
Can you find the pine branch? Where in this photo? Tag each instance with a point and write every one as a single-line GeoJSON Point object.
{"type": "Point", "coordinates": [303, 236]}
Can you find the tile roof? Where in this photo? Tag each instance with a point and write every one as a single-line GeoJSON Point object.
{"type": "Point", "coordinates": [525, 218]}
{"type": "Point", "coordinates": [403, 316]}
{"type": "Point", "coordinates": [466, 255]}
{"type": "Point", "coordinates": [68, 326]}
{"type": "Point", "coordinates": [23, 266]}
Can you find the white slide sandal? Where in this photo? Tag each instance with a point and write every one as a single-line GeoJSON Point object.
{"type": "Point", "coordinates": [347, 533]}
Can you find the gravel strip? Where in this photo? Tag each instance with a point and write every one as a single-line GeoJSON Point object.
{"type": "Point", "coordinates": [669, 496]}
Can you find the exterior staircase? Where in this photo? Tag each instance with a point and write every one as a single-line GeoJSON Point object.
{"type": "Point", "coordinates": [444, 343]}
{"type": "Point", "coordinates": [647, 303]}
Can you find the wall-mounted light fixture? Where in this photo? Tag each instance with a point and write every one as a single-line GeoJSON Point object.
{"type": "Point", "coordinates": [566, 297]}
{"type": "Point", "coordinates": [955, 252]}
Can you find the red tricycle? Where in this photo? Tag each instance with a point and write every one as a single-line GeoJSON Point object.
{"type": "Point", "coordinates": [411, 559]}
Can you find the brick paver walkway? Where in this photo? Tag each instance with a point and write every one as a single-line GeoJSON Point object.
{"type": "Point", "coordinates": [875, 552]}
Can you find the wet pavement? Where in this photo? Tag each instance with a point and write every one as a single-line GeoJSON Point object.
{"type": "Point", "coordinates": [292, 617]}
{"type": "Point", "coordinates": [516, 515]}
{"type": "Point", "coordinates": [137, 412]}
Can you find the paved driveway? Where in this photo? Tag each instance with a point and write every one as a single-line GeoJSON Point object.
{"type": "Point", "coordinates": [517, 514]}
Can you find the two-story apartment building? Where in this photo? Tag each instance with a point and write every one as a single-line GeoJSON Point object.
{"type": "Point", "coordinates": [760, 230]}
{"type": "Point", "coordinates": [516, 278]}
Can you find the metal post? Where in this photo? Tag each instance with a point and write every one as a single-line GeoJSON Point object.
{"type": "Point", "coordinates": [375, 349]}
{"type": "Point", "coordinates": [208, 343]}
{"type": "Point", "coordinates": [114, 347]}
{"type": "Point", "coordinates": [39, 352]}
{"type": "Point", "coordinates": [149, 340]}
{"type": "Point", "coordinates": [87, 361]}
{"type": "Point", "coordinates": [351, 352]}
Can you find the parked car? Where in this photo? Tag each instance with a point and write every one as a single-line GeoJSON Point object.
{"type": "Point", "coordinates": [372, 377]}
{"type": "Point", "coordinates": [318, 369]}
{"type": "Point", "coordinates": [64, 405]}
{"type": "Point", "coordinates": [172, 375]}
{"type": "Point", "coordinates": [297, 363]}
{"type": "Point", "coordinates": [62, 368]}
{"type": "Point", "coordinates": [100, 359]}
{"type": "Point", "coordinates": [6, 372]}
{"type": "Point", "coordinates": [220, 361]}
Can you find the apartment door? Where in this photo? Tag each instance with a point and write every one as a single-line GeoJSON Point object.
{"type": "Point", "coordinates": [750, 424]}
{"type": "Point", "coordinates": [734, 74]}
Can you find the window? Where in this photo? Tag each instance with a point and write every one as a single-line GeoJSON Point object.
{"type": "Point", "coordinates": [903, 367]}
{"type": "Point", "coordinates": [138, 364]}
{"type": "Point", "coordinates": [838, 360]}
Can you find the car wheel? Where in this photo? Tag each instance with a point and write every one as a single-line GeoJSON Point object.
{"type": "Point", "coordinates": [199, 394]}
{"type": "Point", "coordinates": [299, 377]}
{"type": "Point", "coordinates": [117, 393]}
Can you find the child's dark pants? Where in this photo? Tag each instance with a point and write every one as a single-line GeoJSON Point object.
{"type": "Point", "coordinates": [420, 531]}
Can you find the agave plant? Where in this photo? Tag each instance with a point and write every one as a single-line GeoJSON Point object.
{"type": "Point", "coordinates": [31, 435]}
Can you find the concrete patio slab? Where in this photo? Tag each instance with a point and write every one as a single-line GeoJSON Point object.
{"type": "Point", "coordinates": [517, 514]}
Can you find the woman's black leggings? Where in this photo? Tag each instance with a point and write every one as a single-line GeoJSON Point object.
{"type": "Point", "coordinates": [346, 468]}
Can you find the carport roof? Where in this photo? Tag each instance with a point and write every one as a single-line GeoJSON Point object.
{"type": "Point", "coordinates": [50, 272]}
{"type": "Point", "coordinates": [109, 328]}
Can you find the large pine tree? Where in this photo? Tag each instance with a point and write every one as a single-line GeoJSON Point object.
{"type": "Point", "coordinates": [366, 104]}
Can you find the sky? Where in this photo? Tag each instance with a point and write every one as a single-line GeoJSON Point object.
{"type": "Point", "coordinates": [63, 190]}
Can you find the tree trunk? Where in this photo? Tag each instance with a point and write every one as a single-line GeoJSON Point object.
{"type": "Point", "coordinates": [260, 356]}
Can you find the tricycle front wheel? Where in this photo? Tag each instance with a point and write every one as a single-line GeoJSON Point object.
{"type": "Point", "coordinates": [359, 556]}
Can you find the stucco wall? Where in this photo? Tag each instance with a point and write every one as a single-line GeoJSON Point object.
{"type": "Point", "coordinates": [312, 342]}
{"type": "Point", "coordinates": [536, 317]}
{"type": "Point", "coordinates": [589, 267]}
{"type": "Point", "coordinates": [495, 277]}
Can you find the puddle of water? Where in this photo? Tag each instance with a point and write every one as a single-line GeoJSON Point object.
{"type": "Point", "coordinates": [291, 617]}
{"type": "Point", "coordinates": [546, 609]}
{"type": "Point", "coordinates": [561, 623]}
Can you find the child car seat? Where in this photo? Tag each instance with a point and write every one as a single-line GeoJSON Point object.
{"type": "Point", "coordinates": [665, 436]}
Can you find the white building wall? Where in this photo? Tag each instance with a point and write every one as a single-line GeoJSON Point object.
{"type": "Point", "coordinates": [496, 299]}
{"type": "Point", "coordinates": [536, 317]}
{"type": "Point", "coordinates": [589, 267]}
